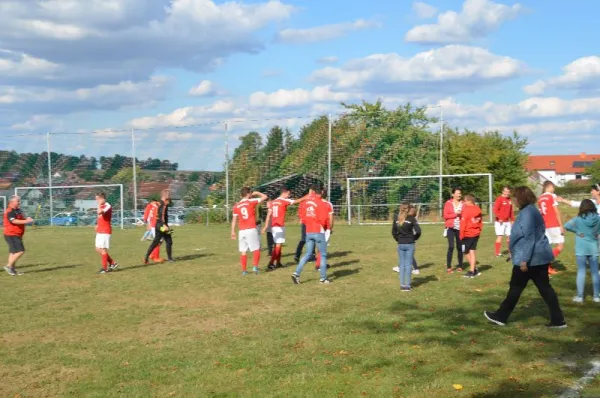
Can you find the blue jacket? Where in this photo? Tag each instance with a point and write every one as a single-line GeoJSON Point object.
{"type": "Point", "coordinates": [586, 245]}
{"type": "Point", "coordinates": [528, 242]}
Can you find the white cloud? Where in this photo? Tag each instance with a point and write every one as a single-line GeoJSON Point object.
{"type": "Point", "coordinates": [323, 33]}
{"type": "Point", "coordinates": [424, 10]}
{"type": "Point", "coordinates": [205, 88]}
{"type": "Point", "coordinates": [296, 98]}
{"type": "Point", "coordinates": [186, 116]}
{"type": "Point", "coordinates": [14, 65]}
{"type": "Point", "coordinates": [328, 60]}
{"type": "Point", "coordinates": [477, 19]}
{"type": "Point", "coordinates": [450, 69]}
{"type": "Point", "coordinates": [49, 123]}
{"type": "Point", "coordinates": [581, 75]}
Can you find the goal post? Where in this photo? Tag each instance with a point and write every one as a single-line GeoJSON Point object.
{"type": "Point", "coordinates": [3, 199]}
{"type": "Point", "coordinates": [69, 204]}
{"type": "Point", "coordinates": [374, 200]}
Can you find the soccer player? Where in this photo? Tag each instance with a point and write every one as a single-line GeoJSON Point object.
{"type": "Point", "coordinates": [269, 231]}
{"type": "Point", "coordinates": [328, 231]}
{"type": "Point", "coordinates": [103, 233]}
{"type": "Point", "coordinates": [249, 238]}
{"type": "Point", "coordinates": [555, 232]}
{"type": "Point", "coordinates": [503, 209]}
{"type": "Point", "coordinates": [315, 215]}
{"type": "Point", "coordinates": [276, 218]}
{"type": "Point", "coordinates": [149, 214]}
{"type": "Point", "coordinates": [162, 229]}
{"type": "Point", "coordinates": [155, 255]}
{"type": "Point", "coordinates": [14, 229]}
{"type": "Point", "coordinates": [302, 242]}
{"type": "Point", "coordinates": [471, 224]}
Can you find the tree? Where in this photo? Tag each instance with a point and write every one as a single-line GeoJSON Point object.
{"type": "Point", "coordinates": [593, 172]}
{"type": "Point", "coordinates": [194, 177]}
{"type": "Point", "coordinates": [125, 176]}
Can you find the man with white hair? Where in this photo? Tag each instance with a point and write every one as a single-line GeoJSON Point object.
{"type": "Point", "coordinates": [14, 229]}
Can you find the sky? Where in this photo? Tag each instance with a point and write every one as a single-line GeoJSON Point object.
{"type": "Point", "coordinates": [89, 73]}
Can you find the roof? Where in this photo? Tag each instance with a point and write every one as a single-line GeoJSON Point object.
{"type": "Point", "coordinates": [561, 164]}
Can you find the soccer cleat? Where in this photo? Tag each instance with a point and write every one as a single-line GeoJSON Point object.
{"type": "Point", "coordinates": [114, 266]}
{"type": "Point", "coordinates": [405, 289]}
{"type": "Point", "coordinates": [296, 279]}
{"type": "Point", "coordinates": [416, 272]}
{"type": "Point", "coordinates": [560, 325]}
{"type": "Point", "coordinates": [244, 273]}
{"type": "Point", "coordinates": [279, 265]}
{"type": "Point", "coordinates": [493, 318]}
{"type": "Point", "coordinates": [171, 260]}
{"type": "Point", "coordinates": [578, 299]}
{"type": "Point", "coordinates": [469, 274]}
{"type": "Point", "coordinates": [10, 271]}
{"type": "Point", "coordinates": [104, 271]}
{"type": "Point", "coordinates": [325, 281]}
{"type": "Point", "coordinates": [255, 270]}
{"type": "Point", "coordinates": [396, 269]}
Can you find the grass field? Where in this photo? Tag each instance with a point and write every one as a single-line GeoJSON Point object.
{"type": "Point", "coordinates": [198, 328]}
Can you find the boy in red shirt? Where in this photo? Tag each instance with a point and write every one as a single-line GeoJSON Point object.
{"type": "Point", "coordinates": [249, 239]}
{"type": "Point", "coordinates": [555, 232]}
{"type": "Point", "coordinates": [315, 215]}
{"type": "Point", "coordinates": [103, 233]}
{"type": "Point", "coordinates": [14, 229]}
{"type": "Point", "coordinates": [471, 224]}
{"type": "Point", "coordinates": [503, 209]}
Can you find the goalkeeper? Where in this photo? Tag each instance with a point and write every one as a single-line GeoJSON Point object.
{"type": "Point", "coordinates": [162, 227]}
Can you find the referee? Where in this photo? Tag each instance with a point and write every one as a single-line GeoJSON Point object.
{"type": "Point", "coordinates": [14, 229]}
{"type": "Point", "coordinates": [162, 230]}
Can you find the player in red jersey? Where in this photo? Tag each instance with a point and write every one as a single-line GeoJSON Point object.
{"type": "Point", "coordinates": [151, 220]}
{"type": "Point", "coordinates": [14, 229]}
{"type": "Point", "coordinates": [503, 209]}
{"type": "Point", "coordinates": [316, 218]}
{"type": "Point", "coordinates": [103, 233]}
{"type": "Point", "coordinates": [555, 232]}
{"type": "Point", "coordinates": [471, 224]}
{"type": "Point", "coordinates": [328, 231]}
{"type": "Point", "coordinates": [249, 239]}
{"type": "Point", "coordinates": [149, 213]}
{"type": "Point", "coordinates": [276, 218]}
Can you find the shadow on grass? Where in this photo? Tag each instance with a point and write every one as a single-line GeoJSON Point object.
{"type": "Point", "coordinates": [484, 267]}
{"type": "Point", "coordinates": [54, 268]}
{"type": "Point", "coordinates": [338, 254]}
{"type": "Point", "coordinates": [193, 256]}
{"type": "Point", "coordinates": [345, 272]}
{"type": "Point", "coordinates": [30, 265]}
{"type": "Point", "coordinates": [426, 265]}
{"type": "Point", "coordinates": [183, 258]}
{"type": "Point", "coordinates": [416, 282]}
{"type": "Point", "coordinates": [343, 263]}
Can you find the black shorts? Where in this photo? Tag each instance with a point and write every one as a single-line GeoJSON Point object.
{"type": "Point", "coordinates": [15, 244]}
{"type": "Point", "coordinates": [469, 244]}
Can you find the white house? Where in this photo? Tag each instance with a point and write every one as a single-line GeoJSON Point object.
{"type": "Point", "coordinates": [561, 169]}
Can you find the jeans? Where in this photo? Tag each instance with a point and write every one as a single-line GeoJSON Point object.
{"type": "Point", "coordinates": [303, 242]}
{"type": "Point", "coordinates": [406, 254]}
{"type": "Point", "coordinates": [518, 282]}
{"type": "Point", "coordinates": [582, 262]}
{"type": "Point", "coordinates": [453, 235]}
{"type": "Point", "coordinates": [319, 241]}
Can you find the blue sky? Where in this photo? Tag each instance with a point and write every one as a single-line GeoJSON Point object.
{"type": "Point", "coordinates": [156, 65]}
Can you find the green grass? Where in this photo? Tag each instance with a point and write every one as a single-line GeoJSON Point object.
{"type": "Point", "coordinates": [198, 328]}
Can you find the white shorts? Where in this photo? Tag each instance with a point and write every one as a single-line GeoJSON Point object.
{"type": "Point", "coordinates": [278, 235]}
{"type": "Point", "coordinates": [102, 241]}
{"type": "Point", "coordinates": [249, 240]}
{"type": "Point", "coordinates": [327, 235]}
{"type": "Point", "coordinates": [554, 236]}
{"type": "Point", "coordinates": [503, 229]}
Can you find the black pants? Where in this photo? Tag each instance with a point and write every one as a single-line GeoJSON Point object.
{"type": "Point", "coordinates": [157, 237]}
{"type": "Point", "coordinates": [302, 242]}
{"type": "Point", "coordinates": [270, 242]}
{"type": "Point", "coordinates": [453, 235]}
{"type": "Point", "coordinates": [518, 282]}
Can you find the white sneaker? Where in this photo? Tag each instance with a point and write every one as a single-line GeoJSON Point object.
{"type": "Point", "coordinates": [396, 269]}
{"type": "Point", "coordinates": [416, 272]}
{"type": "Point", "coordinates": [596, 299]}
{"type": "Point", "coordinates": [578, 299]}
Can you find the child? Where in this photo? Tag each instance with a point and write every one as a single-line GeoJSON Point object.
{"type": "Point", "coordinates": [586, 227]}
{"type": "Point", "coordinates": [471, 224]}
{"type": "Point", "coordinates": [406, 232]}
{"type": "Point", "coordinates": [412, 211]}
{"type": "Point", "coordinates": [548, 204]}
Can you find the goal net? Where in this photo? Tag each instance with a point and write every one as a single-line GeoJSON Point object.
{"type": "Point", "coordinates": [375, 200]}
{"type": "Point", "coordinates": [73, 205]}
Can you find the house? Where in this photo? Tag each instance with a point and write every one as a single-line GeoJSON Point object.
{"type": "Point", "coordinates": [5, 183]}
{"type": "Point", "coordinates": [560, 169]}
{"type": "Point", "coordinates": [85, 199]}
{"type": "Point", "coordinates": [147, 189]}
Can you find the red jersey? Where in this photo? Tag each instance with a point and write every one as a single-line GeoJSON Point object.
{"type": "Point", "coordinates": [245, 209]}
{"type": "Point", "coordinates": [301, 211]}
{"type": "Point", "coordinates": [278, 209]}
{"type": "Point", "coordinates": [471, 222]}
{"type": "Point", "coordinates": [105, 220]}
{"type": "Point", "coordinates": [152, 213]}
{"type": "Point", "coordinates": [547, 202]}
{"type": "Point", "coordinates": [503, 209]}
{"type": "Point", "coordinates": [11, 229]}
{"type": "Point", "coordinates": [315, 215]}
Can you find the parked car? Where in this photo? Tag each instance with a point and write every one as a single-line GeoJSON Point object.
{"type": "Point", "coordinates": [64, 219]}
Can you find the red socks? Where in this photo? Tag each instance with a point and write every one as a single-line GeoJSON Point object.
{"type": "Point", "coordinates": [155, 255]}
{"type": "Point", "coordinates": [256, 258]}
{"type": "Point", "coordinates": [318, 264]}
{"type": "Point", "coordinates": [556, 251]}
{"type": "Point", "coordinates": [498, 248]}
{"type": "Point", "coordinates": [105, 261]}
{"type": "Point", "coordinates": [244, 262]}
{"type": "Point", "coordinates": [276, 255]}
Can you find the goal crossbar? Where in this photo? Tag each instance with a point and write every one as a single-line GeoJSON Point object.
{"type": "Point", "coordinates": [120, 186]}
{"type": "Point", "coordinates": [438, 176]}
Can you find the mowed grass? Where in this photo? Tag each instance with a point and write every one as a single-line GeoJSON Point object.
{"type": "Point", "coordinates": [198, 328]}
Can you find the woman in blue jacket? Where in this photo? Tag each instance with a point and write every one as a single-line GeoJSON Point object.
{"type": "Point", "coordinates": [586, 227]}
{"type": "Point", "coordinates": [531, 255]}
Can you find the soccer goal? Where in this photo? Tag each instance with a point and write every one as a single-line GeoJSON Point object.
{"type": "Point", "coordinates": [3, 199]}
{"type": "Point", "coordinates": [375, 200]}
{"type": "Point", "coordinates": [72, 205]}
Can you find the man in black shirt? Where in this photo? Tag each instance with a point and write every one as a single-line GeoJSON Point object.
{"type": "Point", "coordinates": [162, 230]}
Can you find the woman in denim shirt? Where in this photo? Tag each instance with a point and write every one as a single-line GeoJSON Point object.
{"type": "Point", "coordinates": [531, 255]}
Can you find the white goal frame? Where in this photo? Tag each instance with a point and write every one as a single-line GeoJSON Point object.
{"type": "Point", "coordinates": [78, 187]}
{"type": "Point", "coordinates": [4, 199]}
{"type": "Point", "coordinates": [438, 176]}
